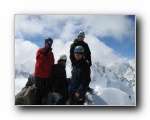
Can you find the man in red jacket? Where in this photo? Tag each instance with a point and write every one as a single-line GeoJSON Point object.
{"type": "Point", "coordinates": [43, 68]}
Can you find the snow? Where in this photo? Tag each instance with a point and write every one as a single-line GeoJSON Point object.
{"type": "Point", "coordinates": [19, 84]}
{"type": "Point", "coordinates": [110, 89]}
{"type": "Point", "coordinates": [113, 96]}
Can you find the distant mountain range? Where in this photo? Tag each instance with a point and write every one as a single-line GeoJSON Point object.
{"type": "Point", "coordinates": [119, 76]}
{"type": "Point", "coordinates": [21, 72]}
{"type": "Point", "coordinates": [124, 72]}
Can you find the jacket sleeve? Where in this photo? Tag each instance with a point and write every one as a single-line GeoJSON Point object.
{"type": "Point", "coordinates": [51, 61]}
{"type": "Point", "coordinates": [89, 55]}
{"type": "Point", "coordinates": [52, 77]}
{"type": "Point", "coordinates": [85, 80]}
{"type": "Point", "coordinates": [72, 58]}
{"type": "Point", "coordinates": [39, 57]}
{"type": "Point", "coordinates": [38, 54]}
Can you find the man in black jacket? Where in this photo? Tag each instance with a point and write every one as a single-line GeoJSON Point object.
{"type": "Point", "coordinates": [80, 42]}
{"type": "Point", "coordinates": [87, 53]}
{"type": "Point", "coordinates": [58, 80]}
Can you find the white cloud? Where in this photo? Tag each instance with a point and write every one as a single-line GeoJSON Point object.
{"type": "Point", "coordinates": [132, 63]}
{"type": "Point", "coordinates": [24, 25]}
{"type": "Point", "coordinates": [66, 26]}
{"type": "Point", "coordinates": [25, 52]}
{"type": "Point", "coordinates": [116, 26]}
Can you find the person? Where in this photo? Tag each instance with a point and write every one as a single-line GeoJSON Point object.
{"type": "Point", "coordinates": [80, 79]}
{"type": "Point", "coordinates": [58, 80]}
{"type": "Point", "coordinates": [43, 67]}
{"type": "Point", "coordinates": [87, 53]}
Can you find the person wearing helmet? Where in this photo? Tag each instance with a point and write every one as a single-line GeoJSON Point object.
{"type": "Point", "coordinates": [43, 67]}
{"type": "Point", "coordinates": [58, 80]}
{"type": "Point", "coordinates": [87, 53]}
{"type": "Point", "coordinates": [80, 42]}
{"type": "Point", "coordinates": [80, 79]}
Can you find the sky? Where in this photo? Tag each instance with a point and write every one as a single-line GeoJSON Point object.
{"type": "Point", "coordinates": [110, 37]}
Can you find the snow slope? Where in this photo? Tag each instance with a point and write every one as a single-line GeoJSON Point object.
{"type": "Point", "coordinates": [110, 97]}
{"type": "Point", "coordinates": [110, 89]}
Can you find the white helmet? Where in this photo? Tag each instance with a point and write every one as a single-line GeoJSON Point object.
{"type": "Point", "coordinates": [63, 57]}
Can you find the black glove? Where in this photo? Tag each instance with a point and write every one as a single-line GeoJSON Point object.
{"type": "Point", "coordinates": [46, 51]}
{"type": "Point", "coordinates": [78, 99]}
{"type": "Point", "coordinates": [90, 64]}
{"type": "Point", "coordinates": [73, 63]}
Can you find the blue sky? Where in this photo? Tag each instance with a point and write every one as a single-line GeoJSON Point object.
{"type": "Point", "coordinates": [123, 48]}
{"type": "Point", "coordinates": [115, 33]}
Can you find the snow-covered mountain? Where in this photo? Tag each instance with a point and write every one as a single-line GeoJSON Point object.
{"type": "Point", "coordinates": [21, 72]}
{"type": "Point", "coordinates": [107, 77]}
{"type": "Point", "coordinates": [124, 70]}
{"type": "Point", "coordinates": [110, 83]}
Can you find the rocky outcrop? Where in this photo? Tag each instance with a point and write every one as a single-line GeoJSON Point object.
{"type": "Point", "coordinates": [26, 95]}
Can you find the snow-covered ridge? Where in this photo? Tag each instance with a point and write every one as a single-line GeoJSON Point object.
{"type": "Point", "coordinates": [110, 83]}
{"type": "Point", "coordinates": [103, 77]}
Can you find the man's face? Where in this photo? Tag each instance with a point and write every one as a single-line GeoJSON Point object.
{"type": "Point", "coordinates": [78, 56]}
{"type": "Point", "coordinates": [80, 38]}
{"type": "Point", "coordinates": [63, 62]}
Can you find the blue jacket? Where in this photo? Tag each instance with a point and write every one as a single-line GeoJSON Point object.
{"type": "Point", "coordinates": [80, 78]}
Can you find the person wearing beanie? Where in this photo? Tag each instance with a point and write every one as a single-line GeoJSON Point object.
{"type": "Point", "coordinates": [58, 80]}
{"type": "Point", "coordinates": [43, 68]}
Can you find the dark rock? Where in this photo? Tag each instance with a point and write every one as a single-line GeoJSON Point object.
{"type": "Point", "coordinates": [26, 95]}
{"type": "Point", "coordinates": [31, 80]}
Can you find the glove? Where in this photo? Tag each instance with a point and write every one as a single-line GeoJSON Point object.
{"type": "Point", "coordinates": [46, 51]}
{"type": "Point", "coordinates": [90, 64]}
{"type": "Point", "coordinates": [73, 63]}
{"type": "Point", "coordinates": [78, 99]}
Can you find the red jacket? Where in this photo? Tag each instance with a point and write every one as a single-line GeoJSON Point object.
{"type": "Point", "coordinates": [44, 64]}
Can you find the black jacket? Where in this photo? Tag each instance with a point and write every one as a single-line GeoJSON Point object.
{"type": "Point", "coordinates": [87, 52]}
{"type": "Point", "coordinates": [80, 78]}
{"type": "Point", "coordinates": [59, 84]}
{"type": "Point", "coordinates": [58, 76]}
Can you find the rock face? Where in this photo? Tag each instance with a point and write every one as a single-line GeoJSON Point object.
{"type": "Point", "coordinates": [26, 95]}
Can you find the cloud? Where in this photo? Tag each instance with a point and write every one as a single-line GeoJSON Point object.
{"type": "Point", "coordinates": [64, 28]}
{"type": "Point", "coordinates": [103, 54]}
{"type": "Point", "coordinates": [115, 26]}
{"type": "Point", "coordinates": [67, 26]}
{"type": "Point", "coordinates": [25, 52]}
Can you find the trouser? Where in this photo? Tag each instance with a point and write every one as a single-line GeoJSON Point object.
{"type": "Point", "coordinates": [62, 90]}
{"type": "Point", "coordinates": [40, 89]}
